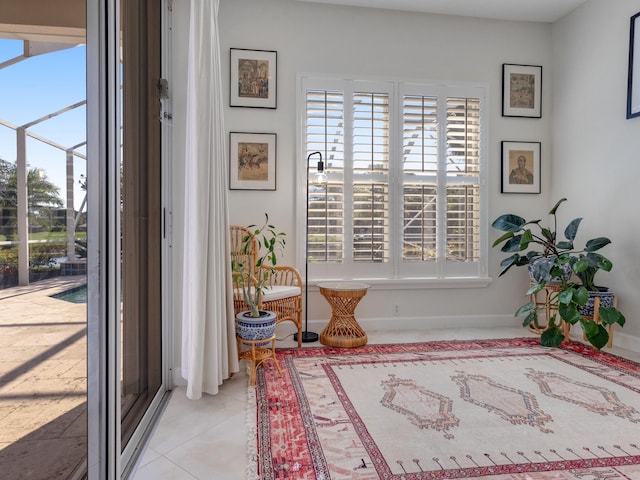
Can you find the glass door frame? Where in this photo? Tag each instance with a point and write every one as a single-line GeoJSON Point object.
{"type": "Point", "coordinates": [103, 233]}
{"type": "Point", "coordinates": [106, 459]}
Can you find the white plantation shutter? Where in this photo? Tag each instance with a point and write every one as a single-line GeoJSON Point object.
{"type": "Point", "coordinates": [370, 167]}
{"type": "Point", "coordinates": [463, 223]}
{"type": "Point", "coordinates": [463, 168]}
{"type": "Point", "coordinates": [420, 137]}
{"type": "Point", "coordinates": [441, 201]}
{"type": "Point", "coordinates": [325, 134]}
{"type": "Point", "coordinates": [404, 197]}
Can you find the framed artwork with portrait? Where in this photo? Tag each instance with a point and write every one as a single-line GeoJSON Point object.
{"type": "Point", "coordinates": [521, 91]}
{"type": "Point", "coordinates": [520, 167]}
{"type": "Point", "coordinates": [252, 161]}
{"type": "Point", "coordinates": [254, 76]}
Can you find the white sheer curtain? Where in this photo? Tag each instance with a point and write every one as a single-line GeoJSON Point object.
{"type": "Point", "coordinates": [208, 334]}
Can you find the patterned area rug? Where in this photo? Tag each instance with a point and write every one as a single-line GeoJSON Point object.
{"type": "Point", "coordinates": [493, 409]}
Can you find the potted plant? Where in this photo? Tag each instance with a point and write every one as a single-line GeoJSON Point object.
{"type": "Point", "coordinates": [550, 259]}
{"type": "Point", "coordinates": [594, 264]}
{"type": "Point", "coordinates": [251, 274]}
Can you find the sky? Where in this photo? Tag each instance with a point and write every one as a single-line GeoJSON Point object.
{"type": "Point", "coordinates": [34, 88]}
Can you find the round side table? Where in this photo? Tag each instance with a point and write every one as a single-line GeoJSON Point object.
{"type": "Point", "coordinates": [343, 329]}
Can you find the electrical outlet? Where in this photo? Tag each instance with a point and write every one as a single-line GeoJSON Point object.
{"type": "Point", "coordinates": [396, 309]}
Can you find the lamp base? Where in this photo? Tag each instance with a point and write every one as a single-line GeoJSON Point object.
{"type": "Point", "coordinates": [306, 337]}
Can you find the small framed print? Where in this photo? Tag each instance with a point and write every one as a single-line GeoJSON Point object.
{"type": "Point", "coordinates": [253, 78]}
{"type": "Point", "coordinates": [521, 91]}
{"type": "Point", "coordinates": [252, 161]}
{"type": "Point", "coordinates": [520, 167]}
{"type": "Point", "coordinates": [633, 89]}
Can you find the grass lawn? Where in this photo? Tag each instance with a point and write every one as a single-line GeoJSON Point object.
{"type": "Point", "coordinates": [61, 236]}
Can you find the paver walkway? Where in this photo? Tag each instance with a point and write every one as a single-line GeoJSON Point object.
{"type": "Point", "coordinates": [43, 362]}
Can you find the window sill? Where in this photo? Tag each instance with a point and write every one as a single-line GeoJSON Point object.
{"type": "Point", "coordinates": [412, 283]}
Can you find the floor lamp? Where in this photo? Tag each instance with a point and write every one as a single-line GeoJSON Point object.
{"type": "Point", "coordinates": [319, 178]}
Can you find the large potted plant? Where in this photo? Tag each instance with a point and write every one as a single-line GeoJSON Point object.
{"type": "Point", "coordinates": [251, 274]}
{"type": "Point", "coordinates": [549, 260]}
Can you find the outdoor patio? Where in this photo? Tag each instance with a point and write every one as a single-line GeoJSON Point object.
{"type": "Point", "coordinates": [43, 425]}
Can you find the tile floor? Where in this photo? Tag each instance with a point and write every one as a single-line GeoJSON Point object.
{"type": "Point", "coordinates": [203, 439]}
{"type": "Point", "coordinates": [207, 438]}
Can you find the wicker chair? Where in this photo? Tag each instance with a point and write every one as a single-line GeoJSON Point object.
{"type": "Point", "coordinates": [283, 295]}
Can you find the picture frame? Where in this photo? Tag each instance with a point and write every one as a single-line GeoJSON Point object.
{"type": "Point", "coordinates": [252, 161]}
{"type": "Point", "coordinates": [521, 90]}
{"type": "Point", "coordinates": [633, 88]}
{"type": "Point", "coordinates": [253, 78]}
{"type": "Point", "coordinates": [520, 167]}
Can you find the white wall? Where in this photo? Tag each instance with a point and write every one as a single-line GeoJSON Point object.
{"type": "Point", "coordinates": [360, 41]}
{"type": "Point", "coordinates": [595, 162]}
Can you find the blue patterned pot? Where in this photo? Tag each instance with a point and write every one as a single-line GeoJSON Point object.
{"type": "Point", "coordinates": [250, 328]}
{"type": "Point", "coordinates": [540, 265]}
{"type": "Point", "coordinates": [606, 300]}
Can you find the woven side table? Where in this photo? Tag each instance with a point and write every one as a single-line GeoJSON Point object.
{"type": "Point", "coordinates": [343, 330]}
{"type": "Point", "coordinates": [257, 354]}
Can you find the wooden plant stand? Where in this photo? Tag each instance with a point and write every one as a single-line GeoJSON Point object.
{"type": "Point", "coordinates": [551, 307]}
{"type": "Point", "coordinates": [596, 318]}
{"type": "Point", "coordinates": [257, 354]}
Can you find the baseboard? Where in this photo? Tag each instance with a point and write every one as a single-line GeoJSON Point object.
{"type": "Point", "coordinates": [420, 323]}
{"type": "Point", "coordinates": [624, 340]}
{"type": "Point", "coordinates": [620, 339]}
{"type": "Point", "coordinates": [177, 379]}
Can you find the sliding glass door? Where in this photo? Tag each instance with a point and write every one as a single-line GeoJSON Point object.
{"type": "Point", "coordinates": [141, 212]}
{"type": "Point", "coordinates": [126, 263]}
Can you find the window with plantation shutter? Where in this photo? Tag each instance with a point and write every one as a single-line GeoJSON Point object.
{"type": "Point", "coordinates": [405, 192]}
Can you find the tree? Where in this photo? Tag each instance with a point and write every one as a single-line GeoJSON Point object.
{"type": "Point", "coordinates": [42, 198]}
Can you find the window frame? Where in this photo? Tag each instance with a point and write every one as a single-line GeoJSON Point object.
{"type": "Point", "coordinates": [397, 273]}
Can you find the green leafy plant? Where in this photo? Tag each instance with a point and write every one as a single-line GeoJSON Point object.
{"type": "Point", "coordinates": [548, 259]}
{"type": "Point", "coordinates": [254, 277]}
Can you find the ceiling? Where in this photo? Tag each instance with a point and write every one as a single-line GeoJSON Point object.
{"type": "Point", "coordinates": [522, 10]}
{"type": "Point", "coordinates": [44, 20]}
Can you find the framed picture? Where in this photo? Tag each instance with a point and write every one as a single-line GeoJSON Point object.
{"type": "Point", "coordinates": [521, 91]}
{"type": "Point", "coordinates": [252, 161]}
{"type": "Point", "coordinates": [633, 89]}
{"type": "Point", "coordinates": [253, 78]}
{"type": "Point", "coordinates": [520, 167]}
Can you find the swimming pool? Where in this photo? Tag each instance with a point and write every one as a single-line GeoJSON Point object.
{"type": "Point", "coordinates": [73, 295]}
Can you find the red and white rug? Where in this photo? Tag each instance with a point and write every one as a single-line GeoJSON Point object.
{"type": "Point", "coordinates": [494, 409]}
